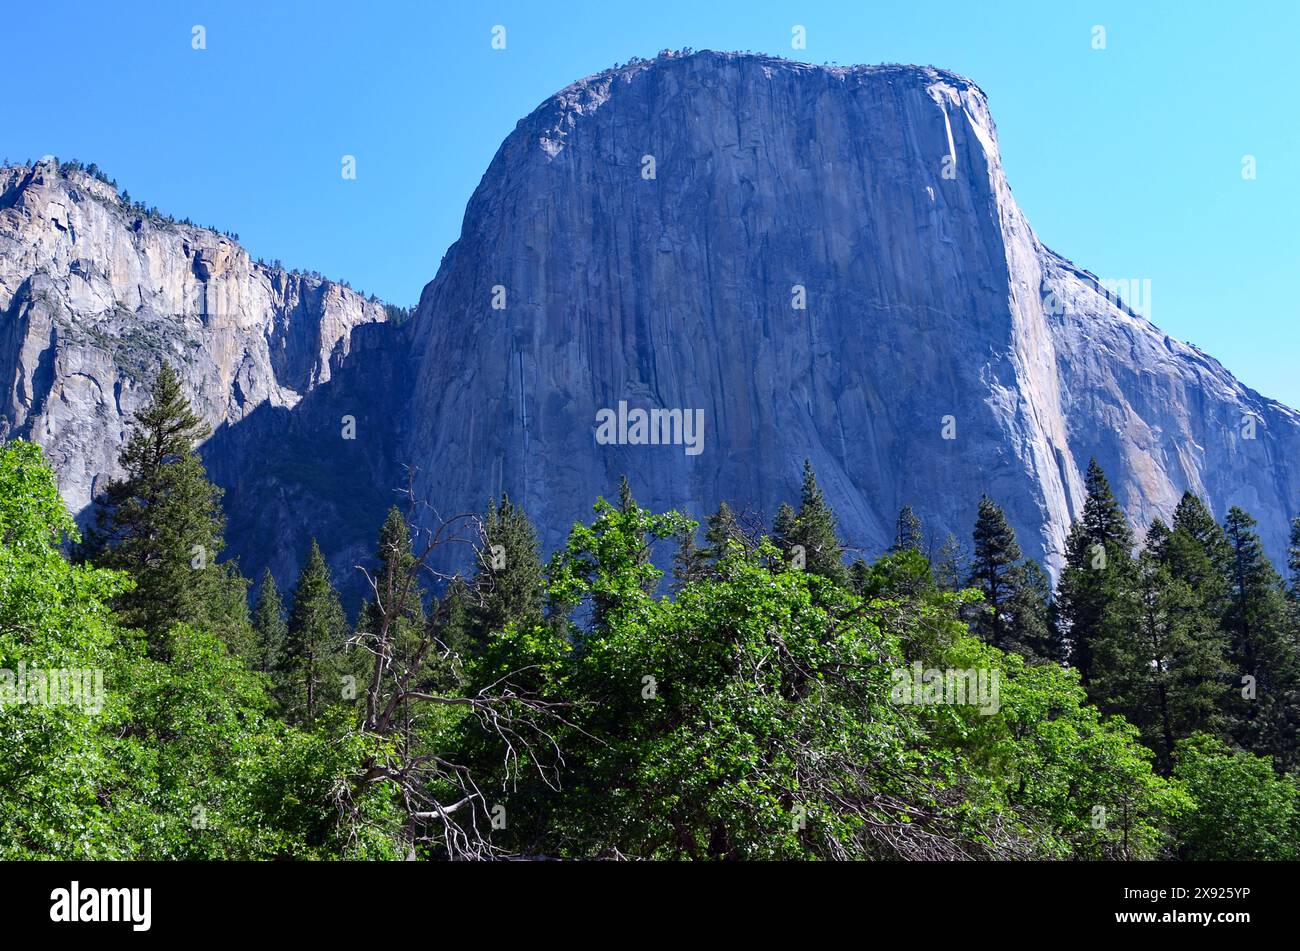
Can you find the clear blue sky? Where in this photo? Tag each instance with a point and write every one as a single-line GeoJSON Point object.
{"type": "Point", "coordinates": [1126, 160]}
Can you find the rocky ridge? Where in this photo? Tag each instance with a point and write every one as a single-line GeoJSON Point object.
{"type": "Point", "coordinates": [645, 237]}
{"type": "Point", "coordinates": [94, 292]}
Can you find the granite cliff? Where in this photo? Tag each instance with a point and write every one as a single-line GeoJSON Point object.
{"type": "Point", "coordinates": [96, 290]}
{"type": "Point", "coordinates": [814, 261]}
{"type": "Point", "coordinates": [876, 197]}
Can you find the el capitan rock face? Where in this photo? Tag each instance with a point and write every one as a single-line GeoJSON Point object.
{"type": "Point", "coordinates": [927, 296]}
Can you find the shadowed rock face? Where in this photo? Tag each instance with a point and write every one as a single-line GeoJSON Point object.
{"type": "Point", "coordinates": [875, 193]}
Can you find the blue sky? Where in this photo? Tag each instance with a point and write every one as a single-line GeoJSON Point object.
{"type": "Point", "coordinates": [1127, 160]}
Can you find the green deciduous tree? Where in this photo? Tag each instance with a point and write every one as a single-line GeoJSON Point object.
{"type": "Point", "coordinates": [1080, 783]}
{"type": "Point", "coordinates": [754, 716]}
{"type": "Point", "coordinates": [52, 615]}
{"type": "Point", "coordinates": [1242, 809]}
{"type": "Point", "coordinates": [174, 755]}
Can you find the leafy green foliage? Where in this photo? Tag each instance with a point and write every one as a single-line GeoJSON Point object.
{"type": "Point", "coordinates": [1243, 810]}
{"type": "Point", "coordinates": [52, 615]}
{"type": "Point", "coordinates": [1080, 781]}
{"type": "Point", "coordinates": [754, 713]}
{"type": "Point", "coordinates": [181, 759]}
{"type": "Point", "coordinates": [753, 717]}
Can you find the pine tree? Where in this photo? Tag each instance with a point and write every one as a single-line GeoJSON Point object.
{"type": "Point", "coordinates": [392, 625]}
{"type": "Point", "coordinates": [1293, 559]}
{"type": "Point", "coordinates": [397, 597]}
{"type": "Point", "coordinates": [455, 618]}
{"type": "Point", "coordinates": [995, 560]}
{"type": "Point", "coordinates": [722, 529]}
{"type": "Point", "coordinates": [627, 505]}
{"type": "Point", "coordinates": [1097, 575]}
{"type": "Point", "coordinates": [1254, 613]}
{"type": "Point", "coordinates": [1103, 519]}
{"type": "Point", "coordinates": [1162, 668]}
{"type": "Point", "coordinates": [1196, 553]}
{"type": "Point", "coordinates": [316, 634]}
{"type": "Point", "coordinates": [510, 581]}
{"type": "Point", "coordinates": [226, 613]}
{"type": "Point", "coordinates": [907, 534]}
{"type": "Point", "coordinates": [949, 565]}
{"type": "Point", "coordinates": [690, 563]}
{"type": "Point", "coordinates": [1034, 629]}
{"type": "Point", "coordinates": [162, 524]}
{"type": "Point", "coordinates": [694, 563]}
{"type": "Point", "coordinates": [1014, 615]}
{"type": "Point", "coordinates": [813, 530]}
{"type": "Point", "coordinates": [1157, 540]}
{"type": "Point", "coordinates": [785, 528]}
{"type": "Point", "coordinates": [1191, 516]}
{"type": "Point", "coordinates": [397, 591]}
{"type": "Point", "coordinates": [1263, 646]}
{"type": "Point", "coordinates": [268, 625]}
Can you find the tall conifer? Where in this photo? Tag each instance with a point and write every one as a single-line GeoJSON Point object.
{"type": "Point", "coordinates": [162, 524]}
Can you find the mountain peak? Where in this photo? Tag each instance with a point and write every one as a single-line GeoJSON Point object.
{"type": "Point", "coordinates": [821, 262]}
{"type": "Point", "coordinates": [653, 227]}
{"type": "Point", "coordinates": [96, 290]}
{"type": "Point", "coordinates": [707, 59]}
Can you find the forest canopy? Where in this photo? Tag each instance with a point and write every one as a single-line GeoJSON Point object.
{"type": "Point", "coordinates": [767, 698]}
